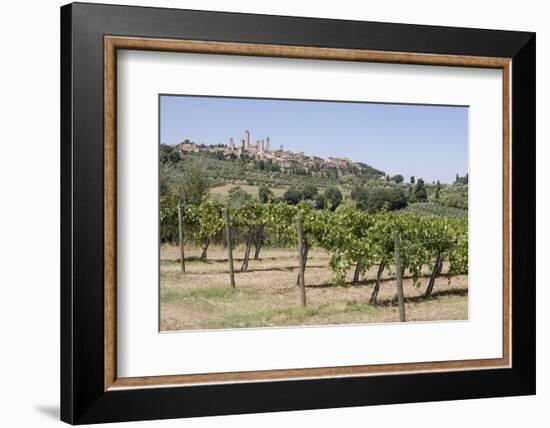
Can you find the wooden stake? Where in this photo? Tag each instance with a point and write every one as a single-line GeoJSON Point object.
{"type": "Point", "coordinates": [181, 236]}
{"type": "Point", "coordinates": [301, 278]}
{"type": "Point", "coordinates": [244, 266]}
{"type": "Point", "coordinates": [229, 246]}
{"type": "Point", "coordinates": [399, 274]}
{"type": "Point", "coordinates": [431, 283]}
{"type": "Point", "coordinates": [374, 294]}
{"type": "Point", "coordinates": [306, 251]}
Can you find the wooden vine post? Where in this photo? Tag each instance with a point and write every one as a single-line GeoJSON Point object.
{"type": "Point", "coordinates": [246, 257]}
{"type": "Point", "coordinates": [300, 229]}
{"type": "Point", "coordinates": [399, 274]}
{"type": "Point", "coordinates": [376, 289]}
{"type": "Point", "coordinates": [229, 241]}
{"type": "Point", "coordinates": [436, 269]}
{"type": "Point", "coordinates": [181, 236]}
{"type": "Point", "coordinates": [305, 248]}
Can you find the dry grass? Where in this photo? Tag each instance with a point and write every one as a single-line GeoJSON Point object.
{"type": "Point", "coordinates": [267, 295]}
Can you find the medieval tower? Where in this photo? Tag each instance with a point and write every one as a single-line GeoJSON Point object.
{"type": "Point", "coordinates": [246, 139]}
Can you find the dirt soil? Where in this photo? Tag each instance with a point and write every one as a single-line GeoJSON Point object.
{"type": "Point", "coordinates": [267, 296]}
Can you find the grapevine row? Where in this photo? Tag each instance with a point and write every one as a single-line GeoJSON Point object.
{"type": "Point", "coordinates": [353, 238]}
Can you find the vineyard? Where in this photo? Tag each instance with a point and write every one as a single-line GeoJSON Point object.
{"type": "Point", "coordinates": [345, 249]}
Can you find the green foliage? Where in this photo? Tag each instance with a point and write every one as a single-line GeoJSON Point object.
{"type": "Point", "coordinates": [333, 197]}
{"type": "Point", "coordinates": [238, 197]}
{"type": "Point", "coordinates": [353, 236]}
{"type": "Point", "coordinates": [458, 251]}
{"type": "Point", "coordinates": [354, 231]}
{"type": "Point", "coordinates": [454, 198]}
{"type": "Point", "coordinates": [292, 196]}
{"type": "Point", "coordinates": [397, 178]}
{"type": "Point", "coordinates": [419, 193]}
{"type": "Point", "coordinates": [249, 219]}
{"type": "Point", "coordinates": [309, 191]}
{"type": "Point", "coordinates": [330, 198]}
{"type": "Point", "coordinates": [435, 209]}
{"type": "Point", "coordinates": [360, 194]}
{"type": "Point", "coordinates": [320, 201]}
{"type": "Point", "coordinates": [247, 169]}
{"type": "Point", "coordinates": [174, 156]}
{"type": "Point", "coordinates": [206, 220]}
{"type": "Point", "coordinates": [281, 221]}
{"type": "Point", "coordinates": [265, 194]}
{"type": "Point", "coordinates": [376, 198]}
{"type": "Point", "coordinates": [347, 204]}
{"type": "Point", "coordinates": [168, 154]}
{"type": "Point", "coordinates": [350, 235]}
{"type": "Point", "coordinates": [191, 185]}
{"type": "Point", "coordinates": [349, 240]}
{"type": "Point", "coordinates": [168, 219]}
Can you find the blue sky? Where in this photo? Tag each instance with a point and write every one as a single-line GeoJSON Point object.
{"type": "Point", "coordinates": [429, 142]}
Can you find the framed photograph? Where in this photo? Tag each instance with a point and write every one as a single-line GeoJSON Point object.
{"type": "Point", "coordinates": [266, 213]}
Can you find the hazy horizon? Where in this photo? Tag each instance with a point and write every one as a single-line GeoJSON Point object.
{"type": "Point", "coordinates": [429, 142]}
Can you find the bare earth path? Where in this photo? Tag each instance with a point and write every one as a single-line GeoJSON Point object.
{"type": "Point", "coordinates": [267, 295]}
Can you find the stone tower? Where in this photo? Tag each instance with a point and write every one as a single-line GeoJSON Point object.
{"type": "Point", "coordinates": [246, 139]}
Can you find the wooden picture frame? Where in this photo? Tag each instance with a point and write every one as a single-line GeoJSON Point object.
{"type": "Point", "coordinates": [91, 390]}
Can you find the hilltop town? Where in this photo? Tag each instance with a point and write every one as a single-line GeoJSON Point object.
{"type": "Point", "coordinates": [285, 159]}
{"type": "Point", "coordinates": [235, 169]}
